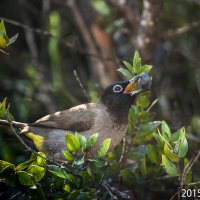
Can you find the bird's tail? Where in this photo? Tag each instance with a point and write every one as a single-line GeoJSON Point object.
{"type": "Point", "coordinates": [13, 123]}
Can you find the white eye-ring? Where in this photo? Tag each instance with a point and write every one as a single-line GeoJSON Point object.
{"type": "Point", "coordinates": [117, 88]}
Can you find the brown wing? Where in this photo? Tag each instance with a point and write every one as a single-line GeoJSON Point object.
{"type": "Point", "coordinates": [79, 118]}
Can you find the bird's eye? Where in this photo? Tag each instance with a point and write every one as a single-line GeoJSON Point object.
{"type": "Point", "coordinates": [117, 88]}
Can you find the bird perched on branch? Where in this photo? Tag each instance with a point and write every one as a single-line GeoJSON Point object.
{"type": "Point", "coordinates": [108, 117]}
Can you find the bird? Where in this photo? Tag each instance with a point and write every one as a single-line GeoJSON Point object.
{"type": "Point", "coordinates": [108, 117]}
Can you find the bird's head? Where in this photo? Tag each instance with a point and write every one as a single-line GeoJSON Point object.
{"type": "Point", "coordinates": [119, 97]}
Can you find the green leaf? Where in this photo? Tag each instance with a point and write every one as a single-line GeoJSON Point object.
{"type": "Point", "coordinates": [126, 73]}
{"type": "Point", "coordinates": [3, 42]}
{"type": "Point", "coordinates": [2, 28]}
{"type": "Point", "coordinates": [142, 101]}
{"type": "Point", "coordinates": [82, 140]}
{"type": "Point", "coordinates": [25, 165]}
{"type": "Point", "coordinates": [128, 66]}
{"type": "Point", "coordinates": [12, 39]}
{"type": "Point", "coordinates": [41, 161]}
{"type": "Point", "coordinates": [104, 147]}
{"type": "Point", "coordinates": [92, 140]}
{"type": "Point", "coordinates": [181, 146]}
{"type": "Point", "coordinates": [66, 188]}
{"type": "Point", "coordinates": [169, 153]}
{"type": "Point", "coordinates": [145, 131]}
{"type": "Point", "coordinates": [137, 153]}
{"type": "Point", "coordinates": [169, 166]}
{"type": "Point", "coordinates": [5, 166]}
{"type": "Point", "coordinates": [57, 171]}
{"type": "Point", "coordinates": [68, 155]}
{"type": "Point", "coordinates": [25, 178]}
{"type": "Point", "coordinates": [72, 142]}
{"type": "Point", "coordinates": [37, 172]}
{"type": "Point", "coordinates": [151, 153]}
{"type": "Point", "coordinates": [136, 62]}
{"type": "Point", "coordinates": [145, 69]}
{"type": "Point", "coordinates": [165, 129]}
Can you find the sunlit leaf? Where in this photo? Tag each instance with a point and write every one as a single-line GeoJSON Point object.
{"type": "Point", "coordinates": [68, 155]}
{"type": "Point", "coordinates": [41, 159]}
{"type": "Point", "coordinates": [57, 171]}
{"type": "Point", "coordinates": [145, 68]}
{"type": "Point", "coordinates": [37, 172]}
{"type": "Point", "coordinates": [136, 62]}
{"type": "Point", "coordinates": [82, 140]}
{"type": "Point", "coordinates": [128, 66]}
{"type": "Point", "coordinates": [169, 153]}
{"type": "Point", "coordinates": [72, 142]}
{"type": "Point", "coordinates": [4, 166]}
{"type": "Point", "coordinates": [104, 147]}
{"type": "Point", "coordinates": [25, 178]}
{"type": "Point", "coordinates": [126, 73]}
{"type": "Point", "coordinates": [169, 166]}
{"type": "Point", "coordinates": [92, 140]}
{"type": "Point", "coordinates": [165, 129]}
{"type": "Point", "coordinates": [2, 28]}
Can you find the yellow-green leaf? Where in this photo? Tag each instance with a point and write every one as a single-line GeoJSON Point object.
{"type": "Point", "coordinates": [104, 147]}
{"type": "Point", "coordinates": [72, 142]}
{"type": "Point", "coordinates": [169, 153]}
{"type": "Point", "coordinates": [169, 166]}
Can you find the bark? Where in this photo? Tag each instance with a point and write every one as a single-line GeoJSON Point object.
{"type": "Point", "coordinates": [148, 33]}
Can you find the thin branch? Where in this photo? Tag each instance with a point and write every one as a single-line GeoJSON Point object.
{"type": "Point", "coordinates": [170, 34]}
{"type": "Point", "coordinates": [81, 85]}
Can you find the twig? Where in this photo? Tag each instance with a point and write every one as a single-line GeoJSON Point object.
{"type": "Point", "coordinates": [194, 183]}
{"type": "Point", "coordinates": [81, 85]}
{"type": "Point", "coordinates": [181, 30]}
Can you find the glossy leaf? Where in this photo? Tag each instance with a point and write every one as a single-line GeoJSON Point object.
{"type": "Point", "coordinates": [72, 142]}
{"type": "Point", "coordinates": [57, 171]}
{"type": "Point", "coordinates": [37, 172]}
{"type": "Point", "coordinates": [25, 178]}
{"type": "Point", "coordinates": [169, 166]}
{"type": "Point", "coordinates": [169, 153]}
{"type": "Point", "coordinates": [4, 166]}
{"type": "Point", "coordinates": [92, 140]}
{"type": "Point", "coordinates": [128, 66]}
{"type": "Point", "coordinates": [136, 62]}
{"type": "Point", "coordinates": [68, 155]}
{"type": "Point", "coordinates": [41, 161]}
{"type": "Point", "coordinates": [126, 73]}
{"type": "Point", "coordinates": [25, 165]}
{"type": "Point", "coordinates": [2, 28]}
{"type": "Point", "coordinates": [103, 149]}
{"type": "Point", "coordinates": [165, 129]}
{"type": "Point", "coordinates": [82, 140]}
{"type": "Point", "coordinates": [145, 68]}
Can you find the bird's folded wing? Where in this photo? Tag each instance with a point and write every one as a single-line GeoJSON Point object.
{"type": "Point", "coordinates": [79, 118]}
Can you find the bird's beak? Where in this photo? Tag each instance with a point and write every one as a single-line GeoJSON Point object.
{"type": "Point", "coordinates": [138, 84]}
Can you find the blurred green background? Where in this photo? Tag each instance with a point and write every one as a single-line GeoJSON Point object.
{"type": "Point", "coordinates": [63, 43]}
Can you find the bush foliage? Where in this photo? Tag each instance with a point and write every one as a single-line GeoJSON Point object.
{"type": "Point", "coordinates": [150, 156]}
